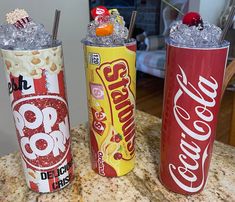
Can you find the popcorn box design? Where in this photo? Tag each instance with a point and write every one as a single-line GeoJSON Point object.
{"type": "Point", "coordinates": [38, 98]}
{"type": "Point", "coordinates": [111, 90]}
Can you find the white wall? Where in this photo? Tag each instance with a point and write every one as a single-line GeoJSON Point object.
{"type": "Point", "coordinates": [73, 23]}
{"type": "Point", "coordinates": [210, 10]}
{"type": "Point", "coordinates": [194, 5]}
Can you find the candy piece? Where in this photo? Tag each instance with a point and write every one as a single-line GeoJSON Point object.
{"type": "Point", "coordinates": [104, 30]}
{"type": "Point", "coordinates": [116, 138]}
{"type": "Point", "coordinates": [107, 28]}
{"type": "Point", "coordinates": [100, 10]}
{"type": "Point", "coordinates": [114, 12]}
{"type": "Point", "coordinates": [18, 17]}
{"type": "Point", "coordinates": [116, 15]}
{"type": "Point", "coordinates": [192, 19]}
{"type": "Point", "coordinates": [117, 156]}
{"type": "Point", "coordinates": [102, 19]}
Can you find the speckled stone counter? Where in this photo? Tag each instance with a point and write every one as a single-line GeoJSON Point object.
{"type": "Point", "coordinates": [140, 185]}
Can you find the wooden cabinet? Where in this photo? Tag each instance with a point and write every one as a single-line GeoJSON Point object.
{"type": "Point", "coordinates": [231, 38]}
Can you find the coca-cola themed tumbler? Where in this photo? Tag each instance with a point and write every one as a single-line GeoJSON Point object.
{"type": "Point", "coordinates": [193, 85]}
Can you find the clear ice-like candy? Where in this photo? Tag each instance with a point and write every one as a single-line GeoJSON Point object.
{"type": "Point", "coordinates": [183, 35]}
{"type": "Point", "coordinates": [33, 36]}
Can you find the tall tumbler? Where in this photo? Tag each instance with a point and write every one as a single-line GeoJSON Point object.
{"type": "Point", "coordinates": [192, 94]}
{"type": "Point", "coordinates": [40, 110]}
{"type": "Point", "coordinates": [111, 89]}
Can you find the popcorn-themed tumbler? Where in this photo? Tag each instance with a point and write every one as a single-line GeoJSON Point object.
{"type": "Point", "coordinates": [111, 92]}
{"type": "Point", "coordinates": [38, 99]}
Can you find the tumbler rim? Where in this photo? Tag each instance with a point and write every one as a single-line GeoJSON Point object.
{"type": "Point", "coordinates": [59, 43]}
{"type": "Point", "coordinates": [224, 44]}
{"type": "Point", "coordinates": [127, 42]}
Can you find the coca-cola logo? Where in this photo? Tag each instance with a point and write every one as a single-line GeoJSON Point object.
{"type": "Point", "coordinates": [43, 130]}
{"type": "Point", "coordinates": [116, 80]}
{"type": "Point", "coordinates": [192, 157]}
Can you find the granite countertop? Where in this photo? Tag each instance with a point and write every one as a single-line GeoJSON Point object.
{"type": "Point", "coordinates": [141, 184]}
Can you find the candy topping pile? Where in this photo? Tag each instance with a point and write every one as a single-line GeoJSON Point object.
{"type": "Point", "coordinates": [193, 32]}
{"type": "Point", "coordinates": [107, 28]}
{"type": "Point", "coordinates": [22, 33]}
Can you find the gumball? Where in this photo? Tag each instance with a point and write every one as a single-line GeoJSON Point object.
{"type": "Point", "coordinates": [192, 19]}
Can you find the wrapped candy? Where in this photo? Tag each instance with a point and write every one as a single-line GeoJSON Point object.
{"type": "Point", "coordinates": [102, 18]}
{"type": "Point", "coordinates": [18, 17]}
{"type": "Point", "coordinates": [116, 15]}
{"type": "Point", "coordinates": [107, 28]}
{"type": "Point", "coordinates": [99, 11]}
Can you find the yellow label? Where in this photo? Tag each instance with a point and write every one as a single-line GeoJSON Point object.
{"type": "Point", "coordinates": [111, 83]}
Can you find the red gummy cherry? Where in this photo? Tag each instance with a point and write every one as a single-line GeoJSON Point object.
{"type": "Point", "coordinates": [192, 19]}
{"type": "Point", "coordinates": [116, 138]}
{"type": "Point", "coordinates": [99, 11]}
{"type": "Point", "coordinates": [117, 156]}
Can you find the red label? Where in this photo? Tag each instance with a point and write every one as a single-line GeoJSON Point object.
{"type": "Point", "coordinates": [43, 130]}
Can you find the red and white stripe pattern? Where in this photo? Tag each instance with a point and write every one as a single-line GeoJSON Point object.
{"type": "Point", "coordinates": [22, 22]}
{"type": "Point", "coordinates": [8, 78]}
{"type": "Point", "coordinates": [34, 181]}
{"type": "Point", "coordinates": [48, 84]}
{"type": "Point", "coordinates": [30, 81]}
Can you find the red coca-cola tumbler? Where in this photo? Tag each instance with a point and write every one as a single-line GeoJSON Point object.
{"type": "Point", "coordinates": [193, 86]}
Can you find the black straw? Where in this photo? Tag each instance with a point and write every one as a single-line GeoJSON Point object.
{"type": "Point", "coordinates": [132, 24]}
{"type": "Point", "coordinates": [55, 25]}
